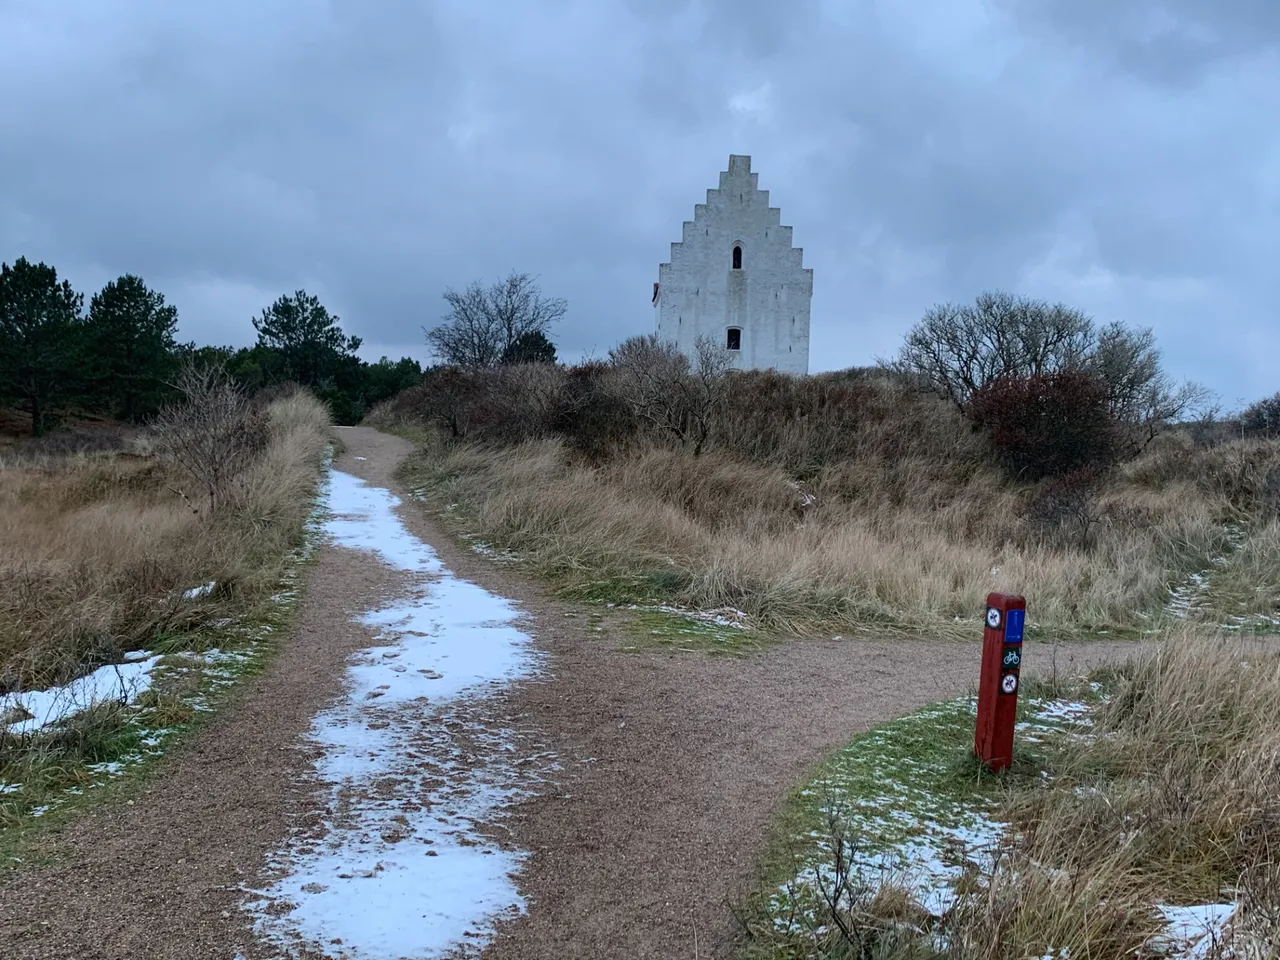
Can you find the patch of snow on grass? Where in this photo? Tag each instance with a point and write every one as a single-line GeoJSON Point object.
{"type": "Point", "coordinates": [907, 823]}
{"type": "Point", "coordinates": [121, 682]}
{"type": "Point", "coordinates": [1190, 597]}
{"type": "Point", "coordinates": [403, 868]}
{"type": "Point", "coordinates": [911, 819]}
{"type": "Point", "coordinates": [721, 617]}
{"type": "Point", "coordinates": [1191, 933]}
{"type": "Point", "coordinates": [1194, 598]}
{"type": "Point", "coordinates": [196, 593]}
{"type": "Point", "coordinates": [490, 552]}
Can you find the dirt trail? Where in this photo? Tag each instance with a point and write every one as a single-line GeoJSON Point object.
{"type": "Point", "coordinates": [673, 766]}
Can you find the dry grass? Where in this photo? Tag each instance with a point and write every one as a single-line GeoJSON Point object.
{"type": "Point", "coordinates": [1171, 798]}
{"type": "Point", "coordinates": [869, 542]}
{"type": "Point", "coordinates": [96, 547]}
{"type": "Point", "coordinates": [1174, 798]}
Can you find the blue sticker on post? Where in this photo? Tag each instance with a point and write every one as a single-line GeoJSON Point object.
{"type": "Point", "coordinates": [1013, 621]}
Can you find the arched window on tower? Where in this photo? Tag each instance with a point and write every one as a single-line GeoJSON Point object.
{"type": "Point", "coordinates": [737, 257]}
{"type": "Point", "coordinates": [735, 338]}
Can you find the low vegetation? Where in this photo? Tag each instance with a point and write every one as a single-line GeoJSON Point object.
{"type": "Point", "coordinates": [845, 502]}
{"type": "Point", "coordinates": [120, 547]}
{"type": "Point", "coordinates": [1141, 818]}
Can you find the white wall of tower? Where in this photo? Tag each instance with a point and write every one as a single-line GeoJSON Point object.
{"type": "Point", "coordinates": [701, 294]}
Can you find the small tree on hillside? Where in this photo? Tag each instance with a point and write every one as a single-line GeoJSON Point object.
{"type": "Point", "coordinates": [531, 347]}
{"type": "Point", "coordinates": [958, 349]}
{"type": "Point", "coordinates": [1262, 419]}
{"type": "Point", "coordinates": [213, 435]}
{"type": "Point", "coordinates": [449, 397]}
{"type": "Point", "coordinates": [665, 389]}
{"type": "Point", "coordinates": [40, 321]}
{"type": "Point", "coordinates": [484, 323]}
{"type": "Point", "coordinates": [307, 337]}
{"type": "Point", "coordinates": [1141, 395]}
{"type": "Point", "coordinates": [130, 348]}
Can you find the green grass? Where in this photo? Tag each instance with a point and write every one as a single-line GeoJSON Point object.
{"type": "Point", "coordinates": [648, 628]}
{"type": "Point", "coordinates": [910, 805]}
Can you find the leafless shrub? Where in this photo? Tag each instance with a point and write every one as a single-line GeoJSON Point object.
{"type": "Point", "coordinates": [596, 423]}
{"type": "Point", "coordinates": [524, 398]}
{"type": "Point", "coordinates": [676, 395]}
{"type": "Point", "coordinates": [486, 323]}
{"type": "Point", "coordinates": [839, 911]}
{"type": "Point", "coordinates": [961, 348]}
{"type": "Point", "coordinates": [213, 436]}
{"type": "Point", "coordinates": [1066, 508]}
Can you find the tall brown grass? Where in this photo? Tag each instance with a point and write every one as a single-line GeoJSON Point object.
{"type": "Point", "coordinates": [1171, 798]}
{"type": "Point", "coordinates": [887, 536]}
{"type": "Point", "coordinates": [1174, 799]}
{"type": "Point", "coordinates": [97, 547]}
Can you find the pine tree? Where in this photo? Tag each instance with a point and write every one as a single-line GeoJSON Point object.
{"type": "Point", "coordinates": [40, 322]}
{"type": "Point", "coordinates": [129, 335]}
{"type": "Point", "coordinates": [307, 336]}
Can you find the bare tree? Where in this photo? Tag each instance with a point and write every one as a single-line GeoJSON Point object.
{"type": "Point", "coordinates": [1262, 419]}
{"type": "Point", "coordinates": [1142, 396]}
{"type": "Point", "coordinates": [665, 389]}
{"type": "Point", "coordinates": [959, 348]}
{"type": "Point", "coordinates": [213, 435]}
{"type": "Point", "coordinates": [485, 323]}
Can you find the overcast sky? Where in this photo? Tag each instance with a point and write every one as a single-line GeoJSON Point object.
{"type": "Point", "coordinates": [1123, 157]}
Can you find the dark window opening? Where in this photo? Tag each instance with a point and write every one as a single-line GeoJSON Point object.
{"type": "Point", "coordinates": [735, 339]}
{"type": "Point", "coordinates": [737, 258]}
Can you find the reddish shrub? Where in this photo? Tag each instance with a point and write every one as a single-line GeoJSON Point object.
{"type": "Point", "coordinates": [1047, 424]}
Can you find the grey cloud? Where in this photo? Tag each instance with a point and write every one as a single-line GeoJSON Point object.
{"type": "Point", "coordinates": [1172, 42]}
{"type": "Point", "coordinates": [378, 153]}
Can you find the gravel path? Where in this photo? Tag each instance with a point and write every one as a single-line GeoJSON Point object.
{"type": "Point", "coordinates": [672, 768]}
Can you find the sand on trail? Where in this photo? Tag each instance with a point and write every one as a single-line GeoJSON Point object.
{"type": "Point", "coordinates": [669, 768]}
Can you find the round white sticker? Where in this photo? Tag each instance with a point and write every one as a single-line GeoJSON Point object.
{"type": "Point", "coordinates": [993, 618]}
{"type": "Point", "coordinates": [1009, 682]}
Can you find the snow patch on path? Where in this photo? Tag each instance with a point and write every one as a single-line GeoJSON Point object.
{"type": "Point", "coordinates": [404, 867]}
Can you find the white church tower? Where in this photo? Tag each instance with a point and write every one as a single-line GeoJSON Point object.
{"type": "Point", "coordinates": [735, 277]}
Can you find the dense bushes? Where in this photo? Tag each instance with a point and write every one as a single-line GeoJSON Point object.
{"type": "Point", "coordinates": [1262, 419]}
{"type": "Point", "coordinates": [855, 499]}
{"type": "Point", "coordinates": [599, 409]}
{"type": "Point", "coordinates": [1048, 424]}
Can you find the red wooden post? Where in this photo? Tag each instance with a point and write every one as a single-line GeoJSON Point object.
{"type": "Point", "coordinates": [998, 684]}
